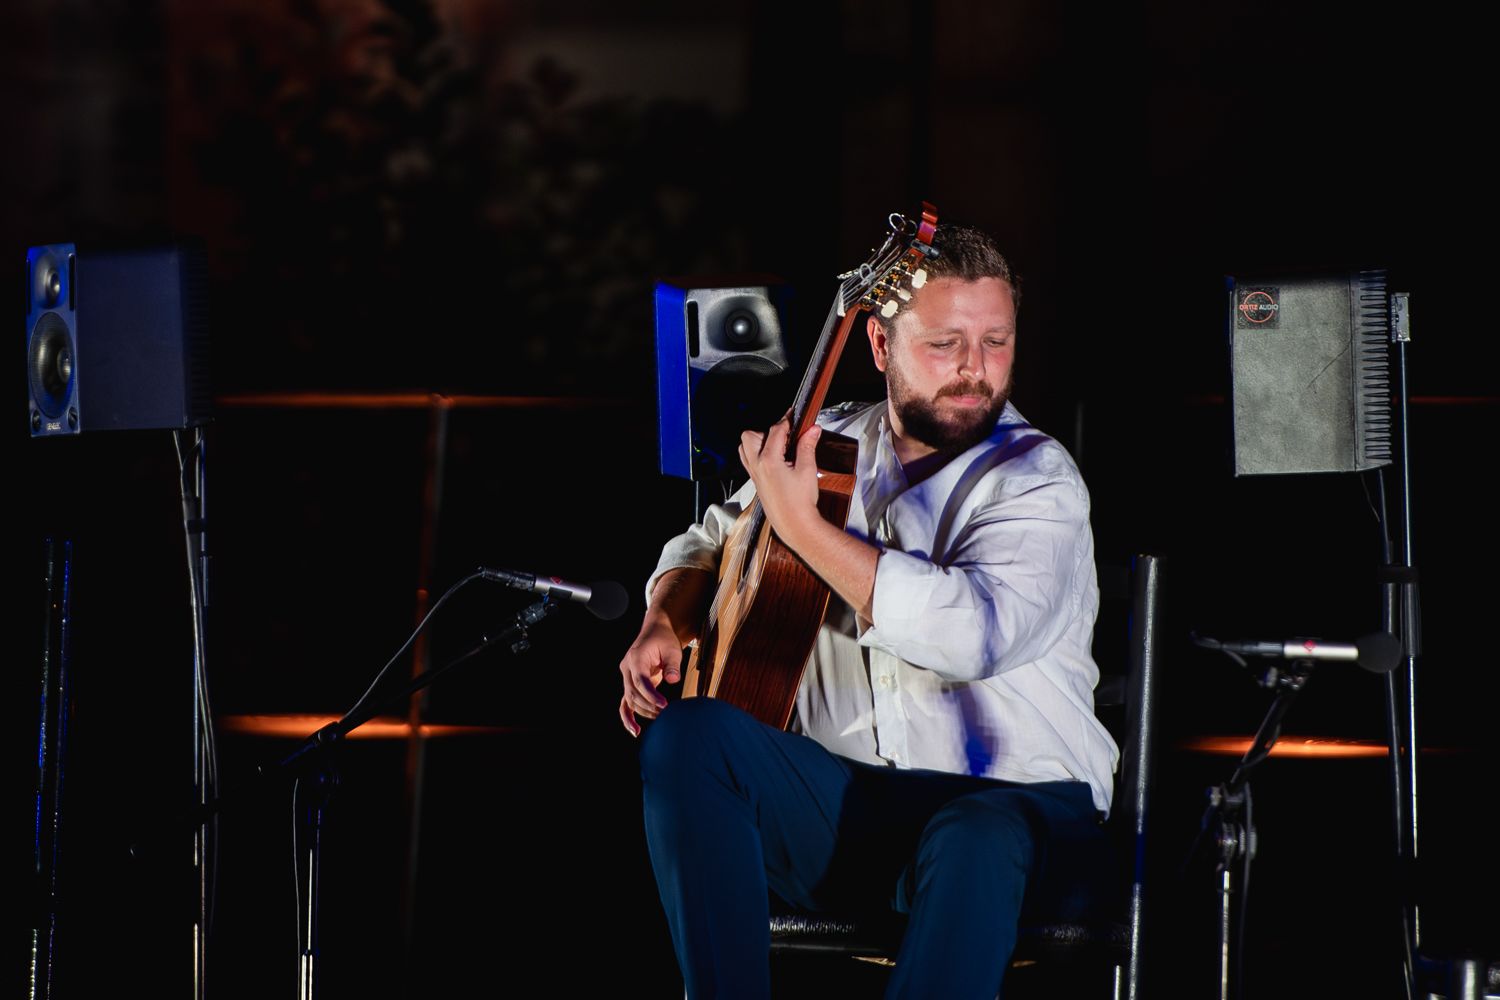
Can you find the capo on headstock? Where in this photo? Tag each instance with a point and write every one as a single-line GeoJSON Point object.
{"type": "Point", "coordinates": [885, 282]}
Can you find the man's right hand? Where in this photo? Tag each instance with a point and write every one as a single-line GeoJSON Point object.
{"type": "Point", "coordinates": [654, 657]}
{"type": "Point", "coordinates": [681, 597]}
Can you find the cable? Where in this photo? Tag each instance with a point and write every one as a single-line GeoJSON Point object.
{"type": "Point", "coordinates": [1364, 483]}
{"type": "Point", "coordinates": [1214, 644]}
{"type": "Point", "coordinates": [192, 481]}
{"type": "Point", "coordinates": [409, 640]}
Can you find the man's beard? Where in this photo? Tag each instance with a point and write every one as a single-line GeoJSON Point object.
{"type": "Point", "coordinates": [962, 429]}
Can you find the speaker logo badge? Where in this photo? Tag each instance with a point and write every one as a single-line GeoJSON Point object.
{"type": "Point", "coordinates": [1257, 308]}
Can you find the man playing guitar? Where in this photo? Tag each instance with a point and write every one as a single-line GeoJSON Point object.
{"type": "Point", "coordinates": [944, 758]}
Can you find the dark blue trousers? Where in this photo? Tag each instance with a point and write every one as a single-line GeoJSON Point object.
{"type": "Point", "coordinates": [734, 807]}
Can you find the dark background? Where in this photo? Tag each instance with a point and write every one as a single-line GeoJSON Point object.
{"type": "Point", "coordinates": [475, 198]}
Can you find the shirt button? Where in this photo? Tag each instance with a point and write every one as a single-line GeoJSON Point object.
{"type": "Point", "coordinates": [885, 680]}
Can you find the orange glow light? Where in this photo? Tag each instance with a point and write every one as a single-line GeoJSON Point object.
{"type": "Point", "coordinates": [299, 726]}
{"type": "Point", "coordinates": [409, 401]}
{"type": "Point", "coordinates": [1289, 746]}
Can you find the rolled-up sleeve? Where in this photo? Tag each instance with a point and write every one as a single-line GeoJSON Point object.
{"type": "Point", "coordinates": [1003, 596]}
{"type": "Point", "coordinates": [700, 545]}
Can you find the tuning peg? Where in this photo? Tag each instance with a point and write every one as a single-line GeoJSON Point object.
{"type": "Point", "coordinates": [904, 294]}
{"type": "Point", "coordinates": [919, 277]}
{"type": "Point", "coordinates": [888, 309]}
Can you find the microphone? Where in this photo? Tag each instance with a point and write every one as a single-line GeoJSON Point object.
{"type": "Point", "coordinates": [605, 598]}
{"type": "Point", "coordinates": [1378, 652]}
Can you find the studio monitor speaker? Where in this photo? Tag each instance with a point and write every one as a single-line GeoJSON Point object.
{"type": "Point", "coordinates": [722, 367]}
{"type": "Point", "coordinates": [1311, 373]}
{"type": "Point", "coordinates": [115, 340]}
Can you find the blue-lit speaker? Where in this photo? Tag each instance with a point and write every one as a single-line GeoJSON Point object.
{"type": "Point", "coordinates": [50, 350]}
{"type": "Point", "coordinates": [116, 340]}
{"type": "Point", "coordinates": [722, 367]}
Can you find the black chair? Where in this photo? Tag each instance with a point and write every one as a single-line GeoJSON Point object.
{"type": "Point", "coordinates": [1466, 978]}
{"type": "Point", "coordinates": [1110, 947]}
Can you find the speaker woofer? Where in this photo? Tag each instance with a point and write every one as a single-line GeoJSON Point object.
{"type": "Point", "coordinates": [51, 364]}
{"type": "Point", "coordinates": [739, 394]}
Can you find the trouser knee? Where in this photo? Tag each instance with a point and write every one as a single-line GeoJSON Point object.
{"type": "Point", "coordinates": [688, 736]}
{"type": "Point", "coordinates": [975, 829]}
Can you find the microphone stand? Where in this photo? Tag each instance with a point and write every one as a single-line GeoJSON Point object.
{"type": "Point", "coordinates": [1229, 814]}
{"type": "Point", "coordinates": [315, 760]}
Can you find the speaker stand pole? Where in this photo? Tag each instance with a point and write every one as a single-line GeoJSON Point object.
{"type": "Point", "coordinates": [1401, 614]}
{"type": "Point", "coordinates": [193, 476]}
{"type": "Point", "coordinates": [52, 747]}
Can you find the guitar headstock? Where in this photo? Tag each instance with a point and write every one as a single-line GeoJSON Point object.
{"type": "Point", "coordinates": [885, 282]}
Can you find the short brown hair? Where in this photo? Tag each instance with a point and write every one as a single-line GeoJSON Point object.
{"type": "Point", "coordinates": [967, 253]}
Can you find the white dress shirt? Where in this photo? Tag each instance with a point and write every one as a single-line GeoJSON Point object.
{"type": "Point", "coordinates": [979, 659]}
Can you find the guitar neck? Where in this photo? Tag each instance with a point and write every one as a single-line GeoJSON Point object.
{"type": "Point", "coordinates": [819, 376]}
{"type": "Point", "coordinates": [881, 284]}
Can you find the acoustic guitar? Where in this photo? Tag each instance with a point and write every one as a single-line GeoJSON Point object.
{"type": "Point", "coordinates": [769, 605]}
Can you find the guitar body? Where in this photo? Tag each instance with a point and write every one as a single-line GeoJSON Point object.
{"type": "Point", "coordinates": [769, 606]}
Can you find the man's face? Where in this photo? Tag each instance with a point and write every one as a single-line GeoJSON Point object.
{"type": "Point", "coordinates": [948, 361]}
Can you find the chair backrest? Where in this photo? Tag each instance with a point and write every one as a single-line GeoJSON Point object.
{"type": "Point", "coordinates": [1130, 688]}
{"type": "Point", "coordinates": [1138, 765]}
{"type": "Point", "coordinates": [1137, 690]}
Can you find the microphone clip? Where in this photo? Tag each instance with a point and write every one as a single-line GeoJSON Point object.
{"type": "Point", "coordinates": [528, 616]}
{"type": "Point", "coordinates": [1288, 676]}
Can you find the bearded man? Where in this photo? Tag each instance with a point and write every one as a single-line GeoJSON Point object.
{"type": "Point", "coordinates": [944, 758]}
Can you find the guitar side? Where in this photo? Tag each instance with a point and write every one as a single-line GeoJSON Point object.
{"type": "Point", "coordinates": [765, 615]}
